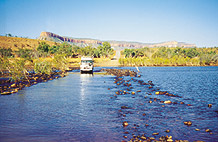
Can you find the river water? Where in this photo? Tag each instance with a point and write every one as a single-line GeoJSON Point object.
{"type": "Point", "coordinates": [84, 108]}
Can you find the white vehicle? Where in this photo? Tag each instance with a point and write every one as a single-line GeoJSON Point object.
{"type": "Point", "coordinates": [86, 65]}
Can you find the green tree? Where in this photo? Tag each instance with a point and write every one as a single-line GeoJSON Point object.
{"type": "Point", "coordinates": [65, 49]}
{"type": "Point", "coordinates": [86, 51]}
{"type": "Point", "coordinates": [191, 52]}
{"type": "Point", "coordinates": [206, 59]}
{"type": "Point", "coordinates": [105, 50]}
{"type": "Point", "coordinates": [161, 52]}
{"type": "Point", "coordinates": [97, 53]}
{"type": "Point", "coordinates": [215, 59]}
{"type": "Point", "coordinates": [43, 49]}
{"type": "Point", "coordinates": [129, 53]}
{"type": "Point", "coordinates": [75, 50]}
{"type": "Point", "coordinates": [9, 35]}
{"type": "Point", "coordinates": [53, 49]}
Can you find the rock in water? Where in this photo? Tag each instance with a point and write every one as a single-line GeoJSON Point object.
{"type": "Point", "coordinates": [189, 123]}
{"type": "Point", "coordinates": [125, 124]}
{"type": "Point", "coordinates": [167, 102]}
{"type": "Point", "coordinates": [169, 139]}
{"type": "Point", "coordinates": [155, 134]}
{"type": "Point", "coordinates": [157, 93]}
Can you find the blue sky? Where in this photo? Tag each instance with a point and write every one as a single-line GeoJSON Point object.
{"type": "Point", "coordinates": [148, 21]}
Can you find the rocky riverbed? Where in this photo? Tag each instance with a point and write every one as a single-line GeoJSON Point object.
{"type": "Point", "coordinates": [133, 129]}
{"type": "Point", "coordinates": [8, 86]}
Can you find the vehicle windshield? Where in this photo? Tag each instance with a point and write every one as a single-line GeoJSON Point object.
{"type": "Point", "coordinates": [86, 61]}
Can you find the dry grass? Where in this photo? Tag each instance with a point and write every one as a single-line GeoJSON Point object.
{"type": "Point", "coordinates": [98, 62]}
{"type": "Point", "coordinates": [16, 42]}
{"type": "Point", "coordinates": [74, 62]}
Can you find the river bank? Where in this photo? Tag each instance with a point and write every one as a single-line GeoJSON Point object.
{"type": "Point", "coordinates": [8, 86]}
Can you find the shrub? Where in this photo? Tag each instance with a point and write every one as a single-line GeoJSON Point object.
{"type": "Point", "coordinates": [43, 67]}
{"type": "Point", "coordinates": [6, 52]}
{"type": "Point", "coordinates": [24, 53]}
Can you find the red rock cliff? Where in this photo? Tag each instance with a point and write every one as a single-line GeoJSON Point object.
{"type": "Point", "coordinates": [47, 35]}
{"type": "Point", "coordinates": [43, 35]}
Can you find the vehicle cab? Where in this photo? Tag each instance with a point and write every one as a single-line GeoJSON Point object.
{"type": "Point", "coordinates": [86, 65]}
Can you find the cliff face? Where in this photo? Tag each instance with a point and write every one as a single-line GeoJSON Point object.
{"type": "Point", "coordinates": [46, 35]}
{"type": "Point", "coordinates": [116, 44]}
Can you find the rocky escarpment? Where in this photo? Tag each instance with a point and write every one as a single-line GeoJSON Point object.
{"type": "Point", "coordinates": [48, 35]}
{"type": "Point", "coordinates": [116, 44]}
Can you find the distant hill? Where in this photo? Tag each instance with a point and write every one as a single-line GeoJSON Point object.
{"type": "Point", "coordinates": [16, 42]}
{"type": "Point", "coordinates": [115, 44]}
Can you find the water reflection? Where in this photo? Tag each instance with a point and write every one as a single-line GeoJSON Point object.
{"type": "Point", "coordinates": [85, 81]}
{"type": "Point", "coordinates": [21, 97]}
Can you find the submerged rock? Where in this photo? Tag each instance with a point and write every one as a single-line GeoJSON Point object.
{"type": "Point", "coordinates": [143, 137]}
{"type": "Point", "coordinates": [189, 123]}
{"type": "Point", "coordinates": [167, 102]}
{"type": "Point", "coordinates": [155, 134]}
{"type": "Point", "coordinates": [157, 93]}
{"type": "Point", "coordinates": [163, 138]}
{"type": "Point", "coordinates": [125, 137]}
{"type": "Point", "coordinates": [124, 107]}
{"type": "Point", "coordinates": [6, 93]}
{"type": "Point", "coordinates": [120, 72]}
{"type": "Point", "coordinates": [125, 124]}
{"type": "Point", "coordinates": [169, 139]}
{"type": "Point", "coordinates": [208, 130]}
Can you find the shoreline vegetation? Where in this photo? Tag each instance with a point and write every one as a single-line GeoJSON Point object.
{"type": "Point", "coordinates": [174, 56]}
{"type": "Point", "coordinates": [25, 62]}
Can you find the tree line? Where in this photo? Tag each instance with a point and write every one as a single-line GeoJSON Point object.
{"type": "Point", "coordinates": [20, 62]}
{"type": "Point", "coordinates": [165, 56]}
{"type": "Point", "coordinates": [45, 50]}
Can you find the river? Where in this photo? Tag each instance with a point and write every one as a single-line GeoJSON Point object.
{"type": "Point", "coordinates": [84, 108]}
